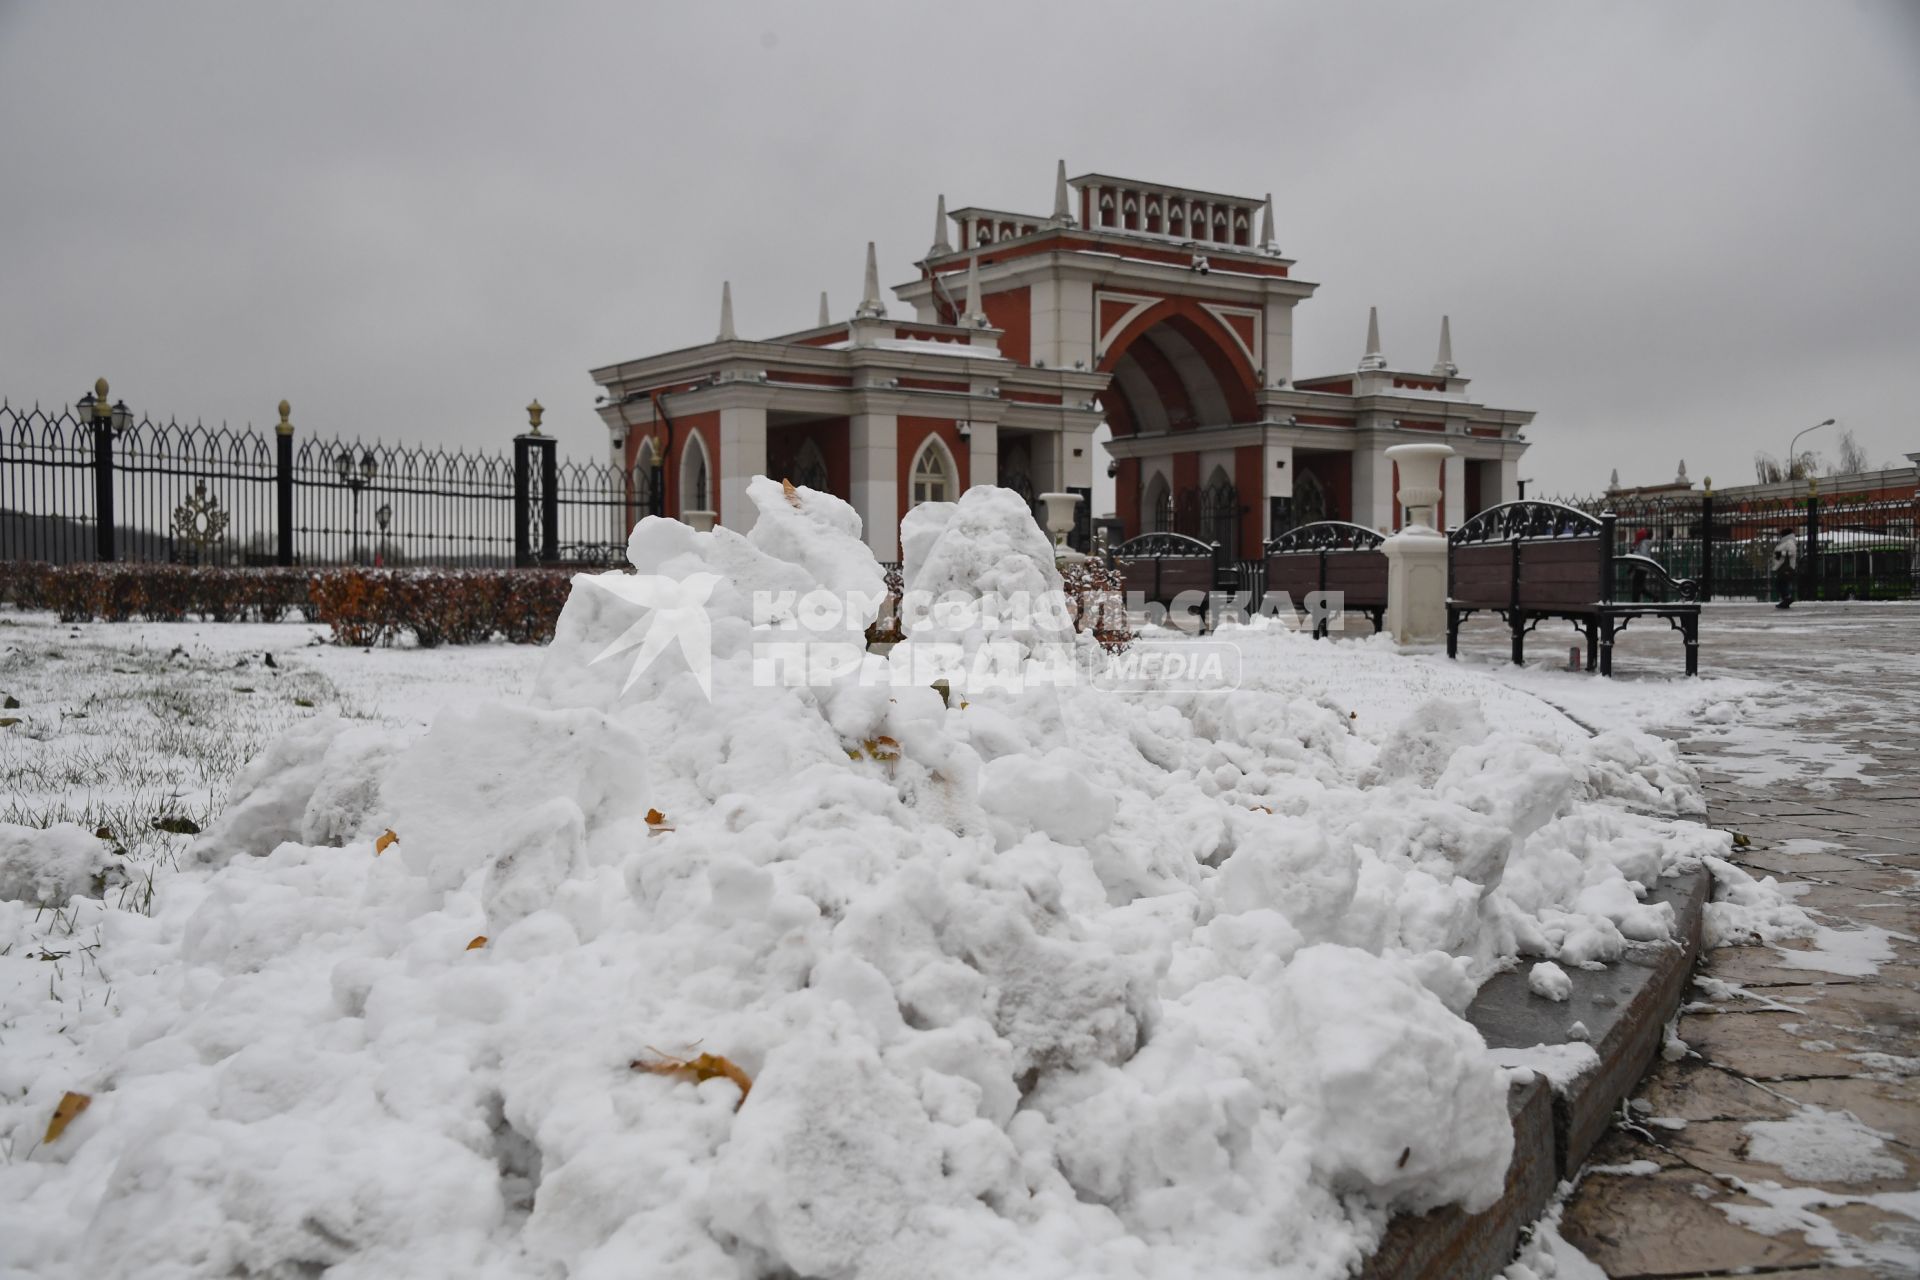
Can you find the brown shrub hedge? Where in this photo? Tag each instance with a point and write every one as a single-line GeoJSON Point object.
{"type": "Point", "coordinates": [362, 606]}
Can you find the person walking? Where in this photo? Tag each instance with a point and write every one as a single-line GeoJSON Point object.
{"type": "Point", "coordinates": [1786, 567]}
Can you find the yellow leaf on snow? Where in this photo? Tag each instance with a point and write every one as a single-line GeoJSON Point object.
{"type": "Point", "coordinates": [793, 494]}
{"type": "Point", "coordinates": [477, 943]}
{"type": "Point", "coordinates": [657, 823]}
{"type": "Point", "coordinates": [63, 1115]}
{"type": "Point", "coordinates": [387, 837]}
{"type": "Point", "coordinates": [705, 1066]}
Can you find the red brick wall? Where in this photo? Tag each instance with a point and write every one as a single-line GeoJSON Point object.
{"type": "Point", "coordinates": [1011, 310]}
{"type": "Point", "coordinates": [1250, 479]}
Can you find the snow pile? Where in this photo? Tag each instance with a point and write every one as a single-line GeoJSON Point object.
{"type": "Point", "coordinates": [1549, 981]}
{"type": "Point", "coordinates": [1044, 982]}
{"type": "Point", "coordinates": [45, 868]}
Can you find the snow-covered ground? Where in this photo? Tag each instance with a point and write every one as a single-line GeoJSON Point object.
{"type": "Point", "coordinates": [837, 980]}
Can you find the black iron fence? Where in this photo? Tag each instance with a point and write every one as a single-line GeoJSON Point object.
{"type": "Point", "coordinates": [76, 487]}
{"type": "Point", "coordinates": [1848, 546]}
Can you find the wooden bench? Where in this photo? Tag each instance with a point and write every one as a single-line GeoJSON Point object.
{"type": "Point", "coordinates": [1528, 561]}
{"type": "Point", "coordinates": [1331, 555]}
{"type": "Point", "coordinates": [1158, 567]}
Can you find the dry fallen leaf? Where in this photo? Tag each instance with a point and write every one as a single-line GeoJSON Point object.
{"type": "Point", "coordinates": [657, 823]}
{"type": "Point", "coordinates": [705, 1066]}
{"type": "Point", "coordinates": [477, 943]}
{"type": "Point", "coordinates": [70, 1106]}
{"type": "Point", "coordinates": [386, 838]}
{"type": "Point", "coordinates": [793, 494]}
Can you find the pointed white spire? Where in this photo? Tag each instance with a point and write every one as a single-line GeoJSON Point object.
{"type": "Point", "coordinates": [1613, 481]}
{"type": "Point", "coordinates": [871, 308]}
{"type": "Point", "coordinates": [1373, 359]}
{"type": "Point", "coordinates": [1443, 365]}
{"type": "Point", "coordinates": [726, 313]}
{"type": "Point", "coordinates": [1062, 212]}
{"type": "Point", "coordinates": [940, 243]}
{"type": "Point", "coordinates": [975, 315]}
{"type": "Point", "coordinates": [1682, 477]}
{"type": "Point", "coordinates": [826, 316]}
{"type": "Point", "coordinates": [1266, 223]}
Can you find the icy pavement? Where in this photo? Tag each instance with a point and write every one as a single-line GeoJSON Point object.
{"type": "Point", "coordinates": [1787, 1140]}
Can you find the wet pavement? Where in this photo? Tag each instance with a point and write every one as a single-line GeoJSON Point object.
{"type": "Point", "coordinates": [1786, 1141]}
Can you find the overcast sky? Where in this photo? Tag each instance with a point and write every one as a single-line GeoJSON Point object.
{"type": "Point", "coordinates": [1675, 230]}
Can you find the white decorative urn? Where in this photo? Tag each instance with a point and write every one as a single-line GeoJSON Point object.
{"type": "Point", "coordinates": [1060, 523]}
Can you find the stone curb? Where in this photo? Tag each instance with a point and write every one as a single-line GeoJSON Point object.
{"type": "Point", "coordinates": [1625, 1008]}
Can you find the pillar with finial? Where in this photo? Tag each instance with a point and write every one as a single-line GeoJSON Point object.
{"type": "Point", "coordinates": [1062, 210]}
{"type": "Point", "coordinates": [1443, 365]}
{"type": "Point", "coordinates": [826, 315]}
{"type": "Point", "coordinates": [976, 314]}
{"type": "Point", "coordinates": [283, 485]}
{"type": "Point", "coordinates": [871, 308]}
{"type": "Point", "coordinates": [1681, 478]}
{"type": "Point", "coordinates": [1266, 225]}
{"type": "Point", "coordinates": [726, 313]}
{"type": "Point", "coordinates": [534, 411]}
{"type": "Point", "coordinates": [1373, 359]}
{"type": "Point", "coordinates": [940, 242]}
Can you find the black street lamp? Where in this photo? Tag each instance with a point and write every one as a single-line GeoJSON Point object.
{"type": "Point", "coordinates": [107, 421]}
{"type": "Point", "coordinates": [356, 479]}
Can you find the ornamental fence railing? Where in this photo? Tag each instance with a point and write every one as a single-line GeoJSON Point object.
{"type": "Point", "coordinates": [77, 488]}
{"type": "Point", "coordinates": [1849, 546]}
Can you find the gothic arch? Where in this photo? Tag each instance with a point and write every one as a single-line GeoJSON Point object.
{"type": "Point", "coordinates": [696, 476]}
{"type": "Point", "coordinates": [934, 475]}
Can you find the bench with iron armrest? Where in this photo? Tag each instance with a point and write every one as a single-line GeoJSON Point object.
{"type": "Point", "coordinates": [1528, 561]}
{"type": "Point", "coordinates": [1331, 555]}
{"type": "Point", "coordinates": [1158, 567]}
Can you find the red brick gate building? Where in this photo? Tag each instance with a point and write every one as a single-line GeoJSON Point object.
{"type": "Point", "coordinates": [1165, 312]}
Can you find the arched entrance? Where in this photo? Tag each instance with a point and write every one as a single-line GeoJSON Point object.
{"type": "Point", "coordinates": [1175, 367]}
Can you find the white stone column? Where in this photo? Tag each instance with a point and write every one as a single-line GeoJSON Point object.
{"type": "Point", "coordinates": [1276, 468]}
{"type": "Point", "coordinates": [743, 455]}
{"type": "Point", "coordinates": [873, 443]}
{"type": "Point", "coordinates": [983, 454]}
{"type": "Point", "coordinates": [1372, 488]}
{"type": "Point", "coordinates": [1509, 473]}
{"type": "Point", "coordinates": [1417, 555]}
{"type": "Point", "coordinates": [1455, 475]}
{"type": "Point", "coordinates": [1076, 473]}
{"type": "Point", "coordinates": [1277, 343]}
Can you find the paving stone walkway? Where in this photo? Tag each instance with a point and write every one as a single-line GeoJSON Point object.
{"type": "Point", "coordinates": [1787, 1141]}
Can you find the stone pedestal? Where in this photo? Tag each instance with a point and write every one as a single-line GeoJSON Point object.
{"type": "Point", "coordinates": [701, 521]}
{"type": "Point", "coordinates": [1417, 555]}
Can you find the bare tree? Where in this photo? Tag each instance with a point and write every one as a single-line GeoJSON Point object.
{"type": "Point", "coordinates": [1767, 469]}
{"type": "Point", "coordinates": [1849, 457]}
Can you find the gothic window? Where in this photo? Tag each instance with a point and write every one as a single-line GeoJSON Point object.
{"type": "Point", "coordinates": [1309, 498]}
{"type": "Point", "coordinates": [1106, 210]}
{"type": "Point", "coordinates": [694, 484]}
{"type": "Point", "coordinates": [933, 478]}
{"type": "Point", "coordinates": [983, 233]}
{"type": "Point", "coordinates": [1240, 229]}
{"type": "Point", "coordinates": [1176, 222]}
{"type": "Point", "coordinates": [1153, 217]}
{"type": "Point", "coordinates": [810, 467]}
{"type": "Point", "coordinates": [646, 480]}
{"type": "Point", "coordinates": [1132, 211]}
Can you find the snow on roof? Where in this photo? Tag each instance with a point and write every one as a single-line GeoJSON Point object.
{"type": "Point", "coordinates": [917, 346]}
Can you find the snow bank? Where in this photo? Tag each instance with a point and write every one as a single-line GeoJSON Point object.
{"type": "Point", "coordinates": [1044, 981]}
